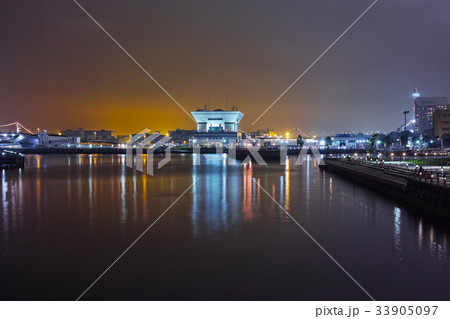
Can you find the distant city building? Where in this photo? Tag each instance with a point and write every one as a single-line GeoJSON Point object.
{"type": "Point", "coordinates": [424, 108]}
{"type": "Point", "coordinates": [266, 132]}
{"type": "Point", "coordinates": [144, 139]}
{"type": "Point", "coordinates": [180, 136]}
{"type": "Point", "coordinates": [216, 127]}
{"type": "Point", "coordinates": [270, 142]}
{"type": "Point", "coordinates": [53, 140]}
{"type": "Point", "coordinates": [90, 136]}
{"type": "Point", "coordinates": [352, 141]}
{"type": "Point", "coordinates": [259, 133]}
{"type": "Point", "coordinates": [441, 122]}
{"type": "Point", "coordinates": [123, 139]}
{"type": "Point", "coordinates": [43, 140]}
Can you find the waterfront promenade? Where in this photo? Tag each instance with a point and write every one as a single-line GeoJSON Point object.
{"type": "Point", "coordinates": [426, 189]}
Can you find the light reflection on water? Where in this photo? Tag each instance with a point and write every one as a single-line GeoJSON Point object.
{"type": "Point", "coordinates": [214, 206]}
{"type": "Point", "coordinates": [98, 196]}
{"type": "Point", "coordinates": [397, 234]}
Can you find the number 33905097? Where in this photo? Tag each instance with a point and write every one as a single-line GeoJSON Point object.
{"type": "Point", "coordinates": [406, 310]}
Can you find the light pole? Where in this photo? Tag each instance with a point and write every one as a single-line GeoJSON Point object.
{"type": "Point", "coordinates": [406, 136]}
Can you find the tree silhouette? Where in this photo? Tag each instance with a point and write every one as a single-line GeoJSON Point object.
{"type": "Point", "coordinates": [300, 141]}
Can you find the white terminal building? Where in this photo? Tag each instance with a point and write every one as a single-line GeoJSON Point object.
{"type": "Point", "coordinates": [216, 127]}
{"type": "Point", "coordinates": [53, 140]}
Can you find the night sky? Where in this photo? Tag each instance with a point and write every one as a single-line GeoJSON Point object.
{"type": "Point", "coordinates": [60, 71]}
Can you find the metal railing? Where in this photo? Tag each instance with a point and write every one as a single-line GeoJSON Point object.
{"type": "Point", "coordinates": [397, 173]}
{"type": "Point", "coordinates": [431, 176]}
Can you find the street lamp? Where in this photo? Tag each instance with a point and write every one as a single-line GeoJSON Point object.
{"type": "Point", "coordinates": [406, 136]}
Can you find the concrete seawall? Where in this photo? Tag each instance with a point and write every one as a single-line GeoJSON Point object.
{"type": "Point", "coordinates": [94, 150]}
{"type": "Point", "coordinates": [269, 153]}
{"type": "Point", "coordinates": [10, 159]}
{"type": "Point", "coordinates": [419, 195]}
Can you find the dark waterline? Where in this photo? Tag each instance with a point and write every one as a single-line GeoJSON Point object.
{"type": "Point", "coordinates": [66, 218]}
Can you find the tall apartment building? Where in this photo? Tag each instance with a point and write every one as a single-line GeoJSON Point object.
{"type": "Point", "coordinates": [441, 122]}
{"type": "Point", "coordinates": [424, 108]}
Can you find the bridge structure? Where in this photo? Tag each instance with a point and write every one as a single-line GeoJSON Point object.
{"type": "Point", "coordinates": [15, 135]}
{"type": "Point", "coordinates": [14, 127]}
{"type": "Point", "coordinates": [297, 131]}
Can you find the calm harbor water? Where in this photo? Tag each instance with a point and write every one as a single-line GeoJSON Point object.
{"type": "Point", "coordinates": [65, 218]}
